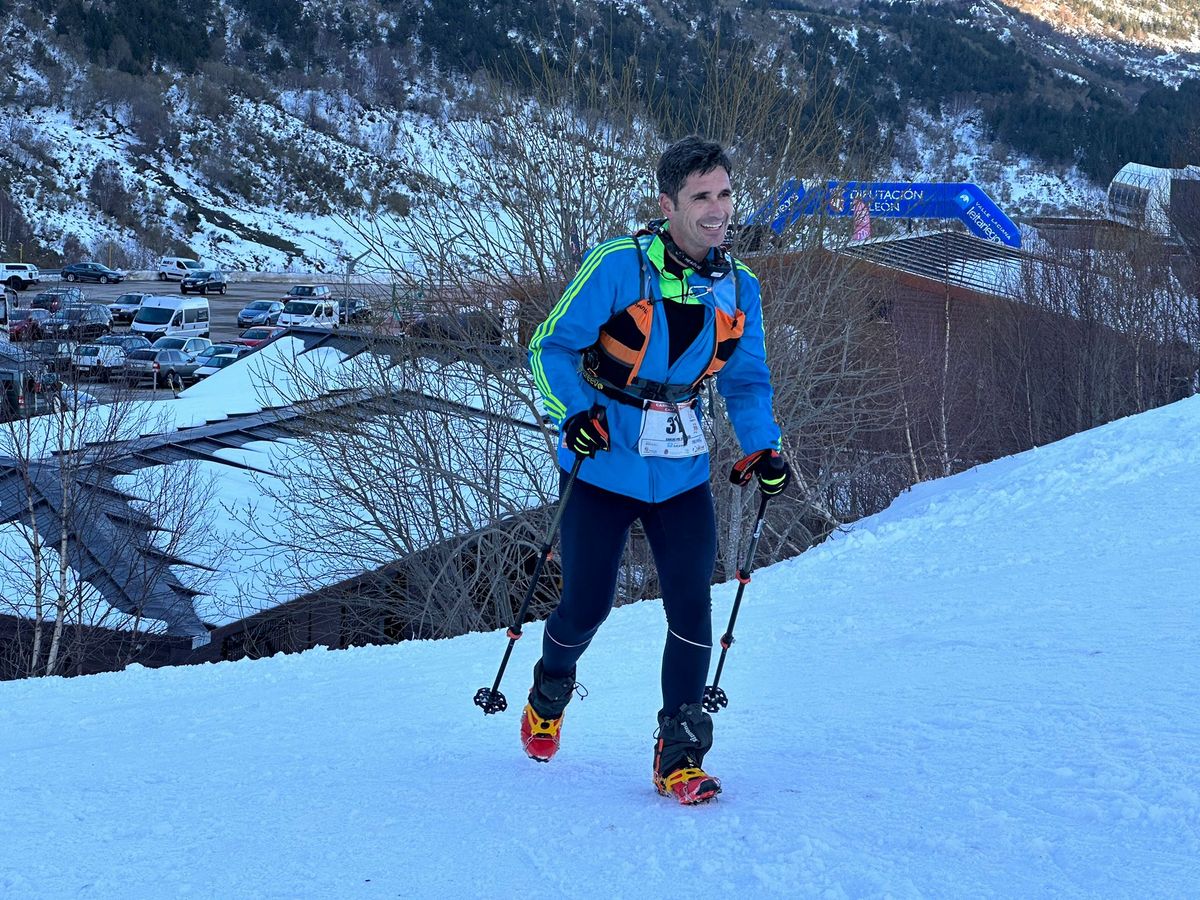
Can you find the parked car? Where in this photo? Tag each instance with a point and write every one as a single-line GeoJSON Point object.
{"type": "Point", "coordinates": [56, 299]}
{"type": "Point", "coordinates": [26, 387]}
{"type": "Point", "coordinates": [203, 282]}
{"type": "Point", "coordinates": [172, 317]}
{"type": "Point", "coordinates": [92, 271]}
{"type": "Point", "coordinates": [73, 398]}
{"type": "Point", "coordinates": [308, 292]}
{"type": "Point", "coordinates": [474, 327]}
{"type": "Point", "coordinates": [252, 337]}
{"type": "Point", "coordinates": [260, 312]}
{"type": "Point", "coordinates": [162, 368]}
{"type": "Point", "coordinates": [127, 342]}
{"type": "Point", "coordinates": [80, 323]}
{"type": "Point", "coordinates": [354, 309]}
{"type": "Point", "coordinates": [26, 324]}
{"type": "Point", "coordinates": [55, 354]}
{"type": "Point", "coordinates": [192, 346]}
{"type": "Point", "coordinates": [98, 360]}
{"type": "Point", "coordinates": [19, 276]}
{"type": "Point", "coordinates": [309, 314]}
{"type": "Point", "coordinates": [176, 267]}
{"type": "Point", "coordinates": [216, 363]}
{"type": "Point", "coordinates": [125, 307]}
{"type": "Point", "coordinates": [215, 349]}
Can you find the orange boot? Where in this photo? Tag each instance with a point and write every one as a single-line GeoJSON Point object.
{"type": "Point", "coordinates": [541, 723]}
{"type": "Point", "coordinates": [683, 739]}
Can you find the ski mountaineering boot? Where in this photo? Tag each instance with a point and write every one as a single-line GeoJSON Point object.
{"type": "Point", "coordinates": [683, 739]}
{"type": "Point", "coordinates": [542, 719]}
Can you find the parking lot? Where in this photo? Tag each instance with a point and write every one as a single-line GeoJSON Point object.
{"type": "Point", "coordinates": [223, 310]}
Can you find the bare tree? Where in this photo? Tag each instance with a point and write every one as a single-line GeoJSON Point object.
{"type": "Point", "coordinates": [413, 461]}
{"type": "Point", "coordinates": [80, 517]}
{"type": "Point", "coordinates": [506, 208]}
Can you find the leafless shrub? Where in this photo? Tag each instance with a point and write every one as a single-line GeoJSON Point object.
{"type": "Point", "coordinates": [58, 468]}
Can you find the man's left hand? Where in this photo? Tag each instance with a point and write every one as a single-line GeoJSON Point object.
{"type": "Point", "coordinates": [769, 466]}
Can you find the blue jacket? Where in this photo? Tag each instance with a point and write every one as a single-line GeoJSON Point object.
{"type": "Point", "coordinates": [609, 281]}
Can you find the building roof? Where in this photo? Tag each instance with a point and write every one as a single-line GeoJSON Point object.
{"type": "Point", "coordinates": [114, 549]}
{"type": "Point", "coordinates": [951, 257]}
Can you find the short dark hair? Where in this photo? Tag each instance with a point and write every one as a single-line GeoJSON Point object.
{"type": "Point", "coordinates": [688, 156]}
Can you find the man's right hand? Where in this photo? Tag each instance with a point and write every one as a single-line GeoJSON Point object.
{"type": "Point", "coordinates": [586, 433]}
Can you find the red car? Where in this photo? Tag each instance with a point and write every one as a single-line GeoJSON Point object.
{"type": "Point", "coordinates": [26, 324]}
{"type": "Point", "coordinates": [252, 337]}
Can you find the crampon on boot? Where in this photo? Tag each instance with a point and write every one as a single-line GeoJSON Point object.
{"type": "Point", "coordinates": [539, 736]}
{"type": "Point", "coordinates": [683, 739]}
{"type": "Point", "coordinates": [541, 723]}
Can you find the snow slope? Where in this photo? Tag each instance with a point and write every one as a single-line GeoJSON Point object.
{"type": "Point", "coordinates": [988, 690]}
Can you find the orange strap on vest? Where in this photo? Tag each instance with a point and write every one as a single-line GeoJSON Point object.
{"type": "Point", "coordinates": [613, 362]}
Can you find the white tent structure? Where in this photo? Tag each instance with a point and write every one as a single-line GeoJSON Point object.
{"type": "Point", "coordinates": [1141, 195]}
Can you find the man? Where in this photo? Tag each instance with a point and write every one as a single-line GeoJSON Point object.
{"type": "Point", "coordinates": [620, 362]}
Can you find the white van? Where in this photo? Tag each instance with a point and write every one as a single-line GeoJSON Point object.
{"type": "Point", "coordinates": [173, 268]}
{"type": "Point", "coordinates": [183, 316]}
{"type": "Point", "coordinates": [309, 314]}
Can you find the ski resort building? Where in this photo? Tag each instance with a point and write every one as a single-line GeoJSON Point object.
{"type": "Point", "coordinates": [1165, 202]}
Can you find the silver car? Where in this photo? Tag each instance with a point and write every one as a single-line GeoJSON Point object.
{"type": "Point", "coordinates": [162, 368]}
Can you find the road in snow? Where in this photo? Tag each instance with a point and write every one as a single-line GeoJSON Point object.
{"type": "Point", "coordinates": [988, 690]}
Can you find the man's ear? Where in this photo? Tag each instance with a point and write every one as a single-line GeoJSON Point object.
{"type": "Point", "coordinates": [665, 204]}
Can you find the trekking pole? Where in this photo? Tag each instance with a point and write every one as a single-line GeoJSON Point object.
{"type": "Point", "coordinates": [490, 700]}
{"type": "Point", "coordinates": [714, 698]}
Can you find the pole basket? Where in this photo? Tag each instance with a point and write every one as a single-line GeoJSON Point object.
{"type": "Point", "coordinates": [713, 701]}
{"type": "Point", "coordinates": [490, 701]}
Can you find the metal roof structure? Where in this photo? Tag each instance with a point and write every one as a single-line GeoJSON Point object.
{"type": "Point", "coordinates": [111, 547]}
{"type": "Point", "coordinates": [951, 257]}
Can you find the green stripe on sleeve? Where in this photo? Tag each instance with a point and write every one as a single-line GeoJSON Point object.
{"type": "Point", "coordinates": [554, 406]}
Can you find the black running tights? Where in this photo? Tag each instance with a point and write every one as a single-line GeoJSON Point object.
{"type": "Point", "coordinates": [683, 538]}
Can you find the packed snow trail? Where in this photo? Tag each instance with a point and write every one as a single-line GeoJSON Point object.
{"type": "Point", "coordinates": [988, 690]}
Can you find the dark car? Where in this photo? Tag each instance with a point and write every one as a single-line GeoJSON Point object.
{"type": "Point", "coordinates": [54, 354]}
{"type": "Point", "coordinates": [26, 387]}
{"type": "Point", "coordinates": [162, 368]}
{"type": "Point", "coordinates": [92, 271]}
{"type": "Point", "coordinates": [79, 323]}
{"type": "Point", "coordinates": [203, 282]}
{"type": "Point", "coordinates": [260, 312]}
{"type": "Point", "coordinates": [354, 309]}
{"type": "Point", "coordinates": [474, 327]}
{"type": "Point", "coordinates": [56, 299]}
{"type": "Point", "coordinates": [127, 342]}
{"type": "Point", "coordinates": [125, 307]}
{"type": "Point", "coordinates": [26, 324]}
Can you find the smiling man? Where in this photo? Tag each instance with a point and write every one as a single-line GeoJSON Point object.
{"type": "Point", "coordinates": [620, 363]}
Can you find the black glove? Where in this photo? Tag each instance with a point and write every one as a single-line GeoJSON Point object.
{"type": "Point", "coordinates": [586, 433]}
{"type": "Point", "coordinates": [772, 470]}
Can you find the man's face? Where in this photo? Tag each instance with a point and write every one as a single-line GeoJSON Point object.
{"type": "Point", "coordinates": [700, 216]}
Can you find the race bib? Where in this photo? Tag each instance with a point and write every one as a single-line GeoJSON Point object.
{"type": "Point", "coordinates": [671, 431]}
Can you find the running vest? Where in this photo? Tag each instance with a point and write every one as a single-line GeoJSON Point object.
{"type": "Point", "coordinates": [611, 364]}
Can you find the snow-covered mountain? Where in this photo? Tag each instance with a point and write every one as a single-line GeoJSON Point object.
{"type": "Point", "coordinates": [987, 690]}
{"type": "Point", "coordinates": [257, 133]}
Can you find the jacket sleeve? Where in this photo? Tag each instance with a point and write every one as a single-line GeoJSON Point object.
{"type": "Point", "coordinates": [574, 325]}
{"type": "Point", "coordinates": [745, 381]}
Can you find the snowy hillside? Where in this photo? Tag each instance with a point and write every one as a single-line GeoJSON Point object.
{"type": "Point", "coordinates": [988, 690]}
{"type": "Point", "coordinates": [260, 134]}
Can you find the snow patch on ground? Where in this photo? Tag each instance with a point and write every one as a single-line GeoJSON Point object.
{"type": "Point", "coordinates": [986, 690]}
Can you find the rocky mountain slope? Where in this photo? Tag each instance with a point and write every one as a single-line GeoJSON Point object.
{"type": "Point", "coordinates": [254, 132]}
